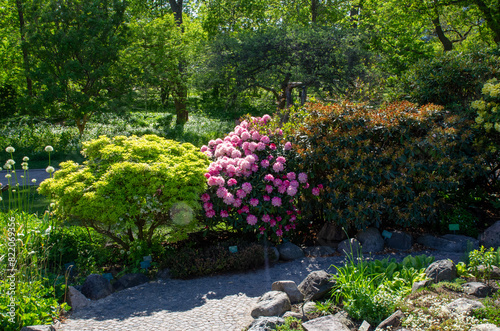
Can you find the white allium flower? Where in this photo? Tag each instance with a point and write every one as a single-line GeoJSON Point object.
{"type": "Point", "coordinates": [33, 180]}
{"type": "Point", "coordinates": [52, 205]}
{"type": "Point", "coordinates": [1, 199]}
{"type": "Point", "coordinates": [8, 176]}
{"type": "Point", "coordinates": [50, 169]}
{"type": "Point", "coordinates": [11, 162]}
{"type": "Point", "coordinates": [26, 159]}
{"type": "Point", "coordinates": [7, 166]}
{"type": "Point", "coordinates": [10, 149]}
{"type": "Point", "coordinates": [49, 148]}
{"type": "Point", "coordinates": [25, 167]}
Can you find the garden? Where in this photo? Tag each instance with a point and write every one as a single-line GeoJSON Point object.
{"type": "Point", "coordinates": [171, 133]}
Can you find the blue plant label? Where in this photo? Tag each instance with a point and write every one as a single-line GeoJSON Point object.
{"type": "Point", "coordinates": [145, 264]}
{"type": "Point", "coordinates": [108, 276]}
{"type": "Point", "coordinates": [147, 259]}
{"type": "Point", "coordinates": [386, 234]}
{"type": "Point", "coordinates": [233, 249]}
{"type": "Point", "coordinates": [454, 227]}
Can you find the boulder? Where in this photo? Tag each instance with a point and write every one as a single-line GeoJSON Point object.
{"type": "Point", "coordinates": [289, 251]}
{"type": "Point", "coordinates": [477, 289]}
{"type": "Point", "coordinates": [290, 288]}
{"type": "Point", "coordinates": [129, 280]}
{"type": "Point", "coordinates": [316, 285]}
{"type": "Point", "coordinates": [442, 270]}
{"type": "Point", "coordinates": [344, 318]}
{"type": "Point", "coordinates": [485, 327]}
{"type": "Point", "coordinates": [325, 323]}
{"type": "Point", "coordinates": [330, 235]}
{"type": "Point", "coordinates": [309, 307]}
{"type": "Point", "coordinates": [392, 321]}
{"type": "Point", "coordinates": [319, 251]}
{"type": "Point", "coordinates": [276, 254]}
{"type": "Point", "coordinates": [419, 285]}
{"type": "Point", "coordinates": [448, 243]}
{"type": "Point", "coordinates": [399, 240]}
{"type": "Point", "coordinates": [463, 306]}
{"type": "Point", "coordinates": [365, 326]}
{"type": "Point", "coordinates": [273, 303]}
{"type": "Point", "coordinates": [298, 316]}
{"type": "Point", "coordinates": [350, 247]}
{"type": "Point", "coordinates": [38, 328]}
{"type": "Point", "coordinates": [371, 240]}
{"type": "Point", "coordinates": [266, 323]}
{"type": "Point", "coordinates": [76, 299]}
{"type": "Point", "coordinates": [494, 272]}
{"type": "Point", "coordinates": [96, 287]}
{"type": "Point", "coordinates": [466, 242]}
{"type": "Point", "coordinates": [491, 237]}
{"type": "Point", "coordinates": [163, 274]}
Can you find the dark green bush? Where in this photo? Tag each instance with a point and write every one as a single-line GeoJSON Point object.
{"type": "Point", "coordinates": [466, 221]}
{"type": "Point", "coordinates": [452, 80]}
{"type": "Point", "coordinates": [187, 262]}
{"type": "Point", "coordinates": [8, 96]}
{"type": "Point", "coordinates": [388, 166]}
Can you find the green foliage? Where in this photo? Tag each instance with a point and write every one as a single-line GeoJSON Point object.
{"type": "Point", "coordinates": [291, 323]}
{"type": "Point", "coordinates": [187, 262]}
{"type": "Point", "coordinates": [486, 257]}
{"type": "Point", "coordinates": [491, 311]}
{"type": "Point", "coordinates": [390, 164]}
{"type": "Point", "coordinates": [130, 187]}
{"type": "Point", "coordinates": [452, 80]}
{"type": "Point", "coordinates": [8, 96]}
{"type": "Point", "coordinates": [466, 220]}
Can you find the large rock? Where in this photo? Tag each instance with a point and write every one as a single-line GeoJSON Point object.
{"type": "Point", "coordinates": [38, 328]}
{"type": "Point", "coordinates": [477, 289]}
{"type": "Point", "coordinates": [163, 274]}
{"type": "Point", "coordinates": [493, 273]}
{"type": "Point", "coordinates": [130, 280]}
{"type": "Point", "coordinates": [371, 240]}
{"type": "Point", "coordinates": [289, 251]}
{"type": "Point", "coordinates": [316, 285]}
{"type": "Point", "coordinates": [330, 235]}
{"type": "Point", "coordinates": [350, 247]}
{"type": "Point", "coordinates": [76, 299]}
{"type": "Point", "coordinates": [447, 243]}
{"type": "Point", "coordinates": [463, 306]}
{"type": "Point", "coordinates": [96, 287]}
{"type": "Point", "coordinates": [491, 237]}
{"type": "Point", "coordinates": [273, 303]}
{"type": "Point", "coordinates": [344, 318]}
{"type": "Point", "coordinates": [485, 327]}
{"type": "Point", "coordinates": [325, 323]}
{"type": "Point", "coordinates": [399, 240]}
{"type": "Point", "coordinates": [290, 288]}
{"type": "Point", "coordinates": [309, 307]}
{"type": "Point", "coordinates": [466, 242]}
{"type": "Point", "coordinates": [319, 251]}
{"type": "Point", "coordinates": [266, 323]}
{"type": "Point", "coordinates": [442, 270]}
{"type": "Point", "coordinates": [392, 321]}
{"type": "Point", "coordinates": [419, 285]}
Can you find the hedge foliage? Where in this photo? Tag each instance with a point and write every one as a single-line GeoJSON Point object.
{"type": "Point", "coordinates": [391, 165]}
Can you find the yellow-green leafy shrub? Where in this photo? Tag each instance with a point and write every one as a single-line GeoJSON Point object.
{"type": "Point", "coordinates": [391, 165]}
{"type": "Point", "coordinates": [130, 186]}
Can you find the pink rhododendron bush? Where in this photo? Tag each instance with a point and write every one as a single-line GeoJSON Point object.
{"type": "Point", "coordinates": [252, 183]}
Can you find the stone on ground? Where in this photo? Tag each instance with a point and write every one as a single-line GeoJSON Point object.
{"type": "Point", "coordinates": [298, 316]}
{"type": "Point", "coordinates": [96, 287]}
{"type": "Point", "coordinates": [493, 273]}
{"type": "Point", "coordinates": [266, 323]}
{"type": "Point", "coordinates": [38, 328]}
{"type": "Point", "coordinates": [316, 285]}
{"type": "Point", "coordinates": [491, 237]}
{"type": "Point", "coordinates": [392, 321]}
{"type": "Point", "coordinates": [273, 303]}
{"type": "Point", "coordinates": [318, 251]}
{"type": "Point", "coordinates": [365, 326]}
{"type": "Point", "coordinates": [448, 243]}
{"type": "Point", "coordinates": [421, 284]}
{"type": "Point", "coordinates": [344, 318]}
{"type": "Point", "coordinates": [289, 251]}
{"type": "Point", "coordinates": [477, 289]}
{"type": "Point", "coordinates": [163, 274]}
{"type": "Point", "coordinates": [464, 241]}
{"type": "Point", "coordinates": [463, 306]}
{"type": "Point", "coordinates": [325, 323]}
{"type": "Point", "coordinates": [350, 247]}
{"type": "Point", "coordinates": [76, 299]}
{"type": "Point", "coordinates": [290, 288]}
{"type": "Point", "coordinates": [330, 235]}
{"type": "Point", "coordinates": [130, 280]}
{"type": "Point", "coordinates": [442, 270]}
{"type": "Point", "coordinates": [309, 307]}
{"type": "Point", "coordinates": [485, 327]}
{"type": "Point", "coordinates": [371, 240]}
{"type": "Point", "coordinates": [399, 240]}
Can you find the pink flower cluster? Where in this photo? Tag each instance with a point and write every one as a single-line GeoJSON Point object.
{"type": "Point", "coordinates": [250, 181]}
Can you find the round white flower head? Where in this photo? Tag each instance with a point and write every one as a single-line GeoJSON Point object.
{"type": "Point", "coordinates": [7, 166]}
{"type": "Point", "coordinates": [52, 205]}
{"type": "Point", "coordinates": [8, 176]}
{"type": "Point", "coordinates": [33, 180]}
{"type": "Point", "coordinates": [50, 169]}
{"type": "Point", "coordinates": [26, 159]}
{"type": "Point", "coordinates": [1, 199]}
{"type": "Point", "coordinates": [49, 148]}
{"type": "Point", "coordinates": [10, 149]}
{"type": "Point", "coordinates": [25, 167]}
{"type": "Point", "coordinates": [11, 162]}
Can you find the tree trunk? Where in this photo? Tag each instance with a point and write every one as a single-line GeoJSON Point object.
{"type": "Point", "coordinates": [180, 104]}
{"type": "Point", "coordinates": [492, 17]}
{"type": "Point", "coordinates": [314, 10]}
{"type": "Point", "coordinates": [447, 44]}
{"type": "Point", "coordinates": [303, 95]}
{"type": "Point", "coordinates": [20, 12]}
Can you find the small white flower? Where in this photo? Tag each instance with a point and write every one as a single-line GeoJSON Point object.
{"type": "Point", "coordinates": [1, 199]}
{"type": "Point", "coordinates": [49, 148]}
{"type": "Point", "coordinates": [128, 252]}
{"type": "Point", "coordinates": [26, 159]}
{"type": "Point", "coordinates": [8, 176]}
{"type": "Point", "coordinates": [122, 251]}
{"type": "Point", "coordinates": [22, 176]}
{"type": "Point", "coordinates": [52, 205]}
{"type": "Point", "coordinates": [50, 169]}
{"type": "Point", "coordinates": [13, 191]}
{"type": "Point", "coordinates": [33, 180]}
{"type": "Point", "coordinates": [11, 162]}
{"type": "Point", "coordinates": [7, 166]}
{"type": "Point", "coordinates": [10, 149]}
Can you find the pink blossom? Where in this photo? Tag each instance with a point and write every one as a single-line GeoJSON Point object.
{"type": "Point", "coordinates": [222, 192]}
{"type": "Point", "coordinates": [245, 135]}
{"type": "Point", "coordinates": [210, 213]}
{"type": "Point", "coordinates": [277, 182]}
{"type": "Point", "coordinates": [272, 146]}
{"type": "Point", "coordinates": [265, 139]}
{"type": "Point", "coordinates": [218, 141]}
{"type": "Point", "coordinates": [255, 136]}
{"type": "Point", "coordinates": [279, 232]}
{"type": "Point", "coordinates": [250, 158]}
{"type": "Point", "coordinates": [205, 197]}
{"type": "Point", "coordinates": [269, 188]}
{"type": "Point", "coordinates": [266, 218]}
{"type": "Point", "coordinates": [232, 182]}
{"type": "Point", "coordinates": [262, 229]}
{"type": "Point", "coordinates": [255, 167]}
{"type": "Point", "coordinates": [280, 132]}
{"type": "Point", "coordinates": [294, 183]}
{"type": "Point", "coordinates": [241, 194]}
{"type": "Point", "coordinates": [245, 145]}
{"type": "Point", "coordinates": [280, 159]}
{"type": "Point", "coordinates": [286, 182]}
{"type": "Point", "coordinates": [248, 152]}
{"type": "Point", "coordinates": [278, 167]}
{"type": "Point", "coordinates": [245, 209]}
{"type": "Point", "coordinates": [306, 186]}
{"type": "Point", "coordinates": [252, 219]}
{"type": "Point", "coordinates": [211, 143]}
{"type": "Point", "coordinates": [237, 203]}
{"type": "Point", "coordinates": [235, 140]}
{"type": "Point", "coordinates": [261, 146]}
{"type": "Point", "coordinates": [282, 189]}
{"type": "Point", "coordinates": [204, 148]}
{"type": "Point", "coordinates": [207, 175]}
{"type": "Point", "coordinates": [320, 186]}
{"type": "Point", "coordinates": [276, 201]}
{"type": "Point", "coordinates": [229, 199]}
{"type": "Point", "coordinates": [293, 218]}
{"type": "Point", "coordinates": [302, 177]}
{"type": "Point", "coordinates": [272, 223]}
{"type": "Point", "coordinates": [244, 165]}
{"type": "Point", "coordinates": [291, 175]}
{"type": "Point", "coordinates": [254, 202]}
{"type": "Point", "coordinates": [288, 146]}
{"type": "Point", "coordinates": [287, 228]}
{"type": "Point", "coordinates": [224, 213]}
{"type": "Point", "coordinates": [269, 177]}
{"type": "Point", "coordinates": [266, 118]}
{"type": "Point", "coordinates": [208, 206]}
{"type": "Point", "coordinates": [244, 124]}
{"type": "Point", "coordinates": [267, 197]}
{"type": "Point", "coordinates": [315, 191]}
{"type": "Point", "coordinates": [291, 190]}
{"type": "Point", "coordinates": [247, 187]}
{"type": "Point", "coordinates": [264, 163]}
{"type": "Point", "coordinates": [235, 154]}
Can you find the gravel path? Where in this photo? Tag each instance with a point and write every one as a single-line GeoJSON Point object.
{"type": "Point", "coordinates": [218, 303]}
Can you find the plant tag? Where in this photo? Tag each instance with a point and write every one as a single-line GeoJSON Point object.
{"type": "Point", "coordinates": [454, 227]}
{"type": "Point", "coordinates": [386, 234]}
{"type": "Point", "coordinates": [145, 264]}
{"type": "Point", "coordinates": [233, 249]}
{"type": "Point", "coordinates": [147, 259]}
{"type": "Point", "coordinates": [108, 276]}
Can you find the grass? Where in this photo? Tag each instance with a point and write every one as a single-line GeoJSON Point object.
{"type": "Point", "coordinates": [37, 203]}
